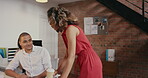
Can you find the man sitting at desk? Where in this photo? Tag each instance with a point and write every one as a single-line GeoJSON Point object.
{"type": "Point", "coordinates": [34, 59]}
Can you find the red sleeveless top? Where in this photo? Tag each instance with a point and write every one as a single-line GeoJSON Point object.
{"type": "Point", "coordinates": [89, 62]}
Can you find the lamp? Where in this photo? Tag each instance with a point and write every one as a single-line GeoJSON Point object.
{"type": "Point", "coordinates": [42, 1]}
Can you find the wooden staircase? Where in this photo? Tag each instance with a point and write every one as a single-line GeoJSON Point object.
{"type": "Point", "coordinates": [139, 20]}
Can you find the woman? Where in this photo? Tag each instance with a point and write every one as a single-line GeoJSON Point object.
{"type": "Point", "coordinates": [76, 43]}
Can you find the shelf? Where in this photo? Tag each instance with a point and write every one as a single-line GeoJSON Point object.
{"type": "Point", "coordinates": [11, 53]}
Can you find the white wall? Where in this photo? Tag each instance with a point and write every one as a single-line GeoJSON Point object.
{"type": "Point", "coordinates": [17, 16]}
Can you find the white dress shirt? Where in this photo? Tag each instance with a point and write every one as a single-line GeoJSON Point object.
{"type": "Point", "coordinates": [34, 63]}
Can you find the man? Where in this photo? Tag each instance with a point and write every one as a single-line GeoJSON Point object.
{"type": "Point", "coordinates": [34, 59]}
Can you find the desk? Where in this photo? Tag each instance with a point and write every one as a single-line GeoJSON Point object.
{"type": "Point", "coordinates": [110, 68]}
{"type": "Point", "coordinates": [2, 68]}
{"type": "Point", "coordinates": [3, 75]}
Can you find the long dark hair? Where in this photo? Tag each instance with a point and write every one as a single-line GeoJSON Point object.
{"type": "Point", "coordinates": [22, 34]}
{"type": "Point", "coordinates": [61, 17]}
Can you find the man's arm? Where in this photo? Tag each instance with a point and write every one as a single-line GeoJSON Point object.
{"type": "Point", "coordinates": [12, 66]}
{"type": "Point", "coordinates": [11, 73]}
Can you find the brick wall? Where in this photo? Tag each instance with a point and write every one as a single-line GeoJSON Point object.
{"type": "Point", "coordinates": [130, 42]}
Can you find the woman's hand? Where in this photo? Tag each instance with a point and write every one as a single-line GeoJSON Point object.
{"type": "Point", "coordinates": [62, 77]}
{"type": "Point", "coordinates": [55, 72]}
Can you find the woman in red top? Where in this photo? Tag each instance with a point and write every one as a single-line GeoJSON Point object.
{"type": "Point", "coordinates": [76, 43]}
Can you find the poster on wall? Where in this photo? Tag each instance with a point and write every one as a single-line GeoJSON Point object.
{"type": "Point", "coordinates": [95, 25]}
{"type": "Point", "coordinates": [110, 54]}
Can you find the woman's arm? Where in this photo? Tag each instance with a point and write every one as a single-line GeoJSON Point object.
{"type": "Point", "coordinates": [71, 34]}
{"type": "Point", "coordinates": [61, 64]}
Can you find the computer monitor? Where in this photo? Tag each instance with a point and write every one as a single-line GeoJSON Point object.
{"type": "Point", "coordinates": [37, 42]}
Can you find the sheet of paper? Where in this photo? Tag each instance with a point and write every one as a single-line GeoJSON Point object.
{"type": "Point", "coordinates": [88, 21]}
{"type": "Point", "coordinates": [94, 29]}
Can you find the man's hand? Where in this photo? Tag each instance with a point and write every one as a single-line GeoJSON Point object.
{"type": "Point", "coordinates": [22, 76]}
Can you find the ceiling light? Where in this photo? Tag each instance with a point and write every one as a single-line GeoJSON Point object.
{"type": "Point", "coordinates": [42, 1]}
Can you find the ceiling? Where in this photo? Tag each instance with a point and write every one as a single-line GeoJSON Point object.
{"type": "Point", "coordinates": [63, 1]}
{"type": "Point", "coordinates": [51, 2]}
